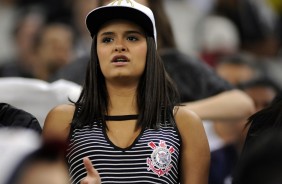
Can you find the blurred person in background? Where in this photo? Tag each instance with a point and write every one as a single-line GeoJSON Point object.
{"type": "Point", "coordinates": [260, 160]}
{"type": "Point", "coordinates": [262, 90]}
{"type": "Point", "coordinates": [15, 144]}
{"type": "Point", "coordinates": [216, 37]}
{"type": "Point", "coordinates": [238, 68]}
{"type": "Point", "coordinates": [29, 21]}
{"type": "Point", "coordinates": [204, 91]}
{"type": "Point", "coordinates": [53, 48]}
{"type": "Point", "coordinates": [266, 119]}
{"type": "Point", "coordinates": [46, 164]}
{"type": "Point", "coordinates": [227, 137]}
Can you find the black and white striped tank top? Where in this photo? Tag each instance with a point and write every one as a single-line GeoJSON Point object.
{"type": "Point", "coordinates": [152, 158]}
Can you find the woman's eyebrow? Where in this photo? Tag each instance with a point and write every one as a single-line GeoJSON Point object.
{"type": "Point", "coordinates": [134, 32]}
{"type": "Point", "coordinates": [107, 33]}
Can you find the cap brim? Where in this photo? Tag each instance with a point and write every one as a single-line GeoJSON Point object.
{"type": "Point", "coordinates": [100, 16]}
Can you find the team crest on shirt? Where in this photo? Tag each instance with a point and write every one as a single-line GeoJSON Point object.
{"type": "Point", "coordinates": [160, 161]}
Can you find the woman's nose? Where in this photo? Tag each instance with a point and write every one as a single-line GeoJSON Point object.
{"type": "Point", "coordinates": [120, 47]}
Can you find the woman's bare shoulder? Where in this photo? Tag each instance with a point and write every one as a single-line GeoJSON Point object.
{"type": "Point", "coordinates": [58, 121]}
{"type": "Point", "coordinates": [188, 122]}
{"type": "Point", "coordinates": [61, 113]}
{"type": "Point", "coordinates": [64, 109]}
{"type": "Point", "coordinates": [185, 117]}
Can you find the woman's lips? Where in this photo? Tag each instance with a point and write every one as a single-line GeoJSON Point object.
{"type": "Point", "coordinates": [120, 59]}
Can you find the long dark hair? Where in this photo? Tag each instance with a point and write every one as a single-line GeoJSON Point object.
{"type": "Point", "coordinates": [156, 94]}
{"type": "Point", "coordinates": [267, 119]}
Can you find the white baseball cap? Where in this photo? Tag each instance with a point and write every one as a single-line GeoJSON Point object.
{"type": "Point", "coordinates": [122, 9]}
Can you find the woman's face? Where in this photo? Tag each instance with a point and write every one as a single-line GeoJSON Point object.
{"type": "Point", "coordinates": [122, 51]}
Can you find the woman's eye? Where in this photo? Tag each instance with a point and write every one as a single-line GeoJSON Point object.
{"type": "Point", "coordinates": [106, 40]}
{"type": "Point", "coordinates": [132, 38]}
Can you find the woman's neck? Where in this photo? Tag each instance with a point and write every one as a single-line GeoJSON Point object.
{"type": "Point", "coordinates": [122, 101]}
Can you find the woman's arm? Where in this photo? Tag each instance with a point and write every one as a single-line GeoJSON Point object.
{"type": "Point", "coordinates": [232, 104]}
{"type": "Point", "coordinates": [57, 122]}
{"type": "Point", "coordinates": [195, 153]}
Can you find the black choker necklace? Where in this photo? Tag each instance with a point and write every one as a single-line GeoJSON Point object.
{"type": "Point", "coordinates": [121, 117]}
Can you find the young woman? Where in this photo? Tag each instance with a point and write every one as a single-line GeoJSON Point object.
{"type": "Point", "coordinates": [127, 121]}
